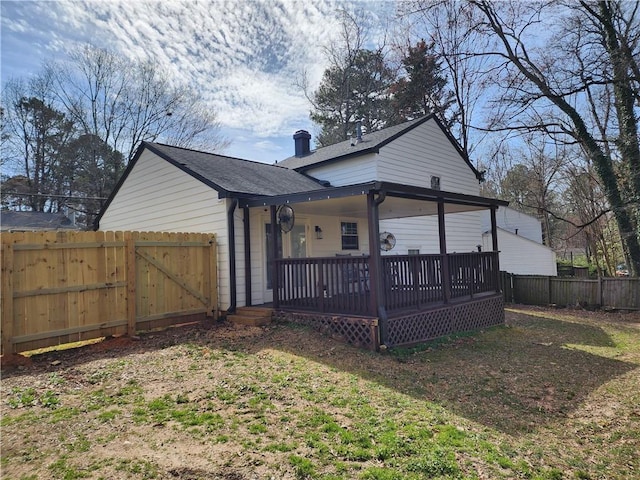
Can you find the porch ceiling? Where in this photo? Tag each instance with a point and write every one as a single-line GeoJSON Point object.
{"type": "Point", "coordinates": [392, 207]}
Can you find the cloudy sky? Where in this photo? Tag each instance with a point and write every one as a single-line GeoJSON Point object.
{"type": "Point", "coordinates": [243, 55]}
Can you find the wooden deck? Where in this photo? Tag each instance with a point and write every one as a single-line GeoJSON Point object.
{"type": "Point", "coordinates": [420, 296]}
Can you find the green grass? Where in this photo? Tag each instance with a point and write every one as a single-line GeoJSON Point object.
{"type": "Point", "coordinates": [552, 395]}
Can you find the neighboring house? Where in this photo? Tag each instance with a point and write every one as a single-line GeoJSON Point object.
{"type": "Point", "coordinates": [327, 209]}
{"type": "Point", "coordinates": [12, 221]}
{"type": "Point", "coordinates": [520, 240]}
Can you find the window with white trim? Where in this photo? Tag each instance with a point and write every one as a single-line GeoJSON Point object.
{"type": "Point", "coordinates": [349, 232]}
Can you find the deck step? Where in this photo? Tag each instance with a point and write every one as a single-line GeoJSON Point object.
{"type": "Point", "coordinates": [251, 316]}
{"type": "Point", "coordinates": [255, 311]}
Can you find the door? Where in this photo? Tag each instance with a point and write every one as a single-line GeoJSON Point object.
{"type": "Point", "coordinates": [290, 245]}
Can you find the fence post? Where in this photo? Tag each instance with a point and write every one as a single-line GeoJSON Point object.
{"type": "Point", "coordinates": [6, 300]}
{"type": "Point", "coordinates": [548, 290]}
{"type": "Point", "coordinates": [599, 293]}
{"type": "Point", "coordinates": [130, 252]}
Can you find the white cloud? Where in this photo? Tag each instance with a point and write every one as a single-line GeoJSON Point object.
{"type": "Point", "coordinates": [243, 57]}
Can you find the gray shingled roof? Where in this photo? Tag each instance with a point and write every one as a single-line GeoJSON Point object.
{"type": "Point", "coordinates": [370, 142]}
{"type": "Point", "coordinates": [234, 175]}
{"type": "Point", "coordinates": [10, 220]}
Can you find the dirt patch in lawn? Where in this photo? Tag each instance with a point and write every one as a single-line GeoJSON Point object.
{"type": "Point", "coordinates": [553, 394]}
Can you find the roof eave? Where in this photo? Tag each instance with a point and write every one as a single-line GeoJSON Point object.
{"type": "Point", "coordinates": [391, 189]}
{"type": "Point", "coordinates": [329, 161]}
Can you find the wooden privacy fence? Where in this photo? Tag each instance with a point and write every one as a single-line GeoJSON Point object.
{"type": "Point", "coordinates": [621, 293]}
{"type": "Point", "coordinates": [61, 287]}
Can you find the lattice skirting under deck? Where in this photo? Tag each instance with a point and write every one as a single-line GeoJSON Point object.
{"type": "Point", "coordinates": [357, 331]}
{"type": "Point", "coordinates": [426, 325]}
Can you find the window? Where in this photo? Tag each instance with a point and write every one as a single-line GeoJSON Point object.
{"type": "Point", "coordinates": [414, 251]}
{"type": "Point", "coordinates": [435, 183]}
{"type": "Point", "coordinates": [349, 232]}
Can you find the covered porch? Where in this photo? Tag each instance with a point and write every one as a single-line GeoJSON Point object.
{"type": "Point", "coordinates": [379, 298]}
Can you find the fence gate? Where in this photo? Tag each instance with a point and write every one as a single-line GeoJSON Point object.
{"type": "Point", "coordinates": [61, 287]}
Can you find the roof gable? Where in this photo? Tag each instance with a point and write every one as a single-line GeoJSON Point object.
{"type": "Point", "coordinates": [371, 143]}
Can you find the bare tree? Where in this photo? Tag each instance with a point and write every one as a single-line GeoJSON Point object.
{"type": "Point", "coordinates": [123, 102]}
{"type": "Point", "coordinates": [456, 43]}
{"type": "Point", "coordinates": [533, 181]}
{"type": "Point", "coordinates": [587, 206]}
{"type": "Point", "coordinates": [544, 83]}
{"type": "Point", "coordinates": [36, 135]}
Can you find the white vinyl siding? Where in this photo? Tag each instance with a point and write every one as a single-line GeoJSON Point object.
{"type": "Point", "coordinates": [522, 256]}
{"type": "Point", "coordinates": [421, 153]}
{"type": "Point", "coordinates": [462, 233]}
{"type": "Point", "coordinates": [348, 172]}
{"type": "Point", "coordinates": [159, 197]}
{"type": "Point", "coordinates": [511, 220]}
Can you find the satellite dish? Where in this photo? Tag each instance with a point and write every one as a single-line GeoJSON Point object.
{"type": "Point", "coordinates": [387, 241]}
{"type": "Point", "coordinates": [286, 218]}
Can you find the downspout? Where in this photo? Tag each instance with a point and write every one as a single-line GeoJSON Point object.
{"type": "Point", "coordinates": [231, 231]}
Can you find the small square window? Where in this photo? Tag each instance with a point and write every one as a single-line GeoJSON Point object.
{"type": "Point", "coordinates": [349, 231]}
{"type": "Point", "coordinates": [435, 183]}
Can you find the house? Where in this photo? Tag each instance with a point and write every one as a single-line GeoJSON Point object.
{"type": "Point", "coordinates": [520, 240]}
{"type": "Point", "coordinates": [372, 239]}
{"type": "Point", "coordinates": [17, 221]}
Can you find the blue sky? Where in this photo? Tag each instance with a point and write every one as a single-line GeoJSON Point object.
{"type": "Point", "coordinates": [242, 55]}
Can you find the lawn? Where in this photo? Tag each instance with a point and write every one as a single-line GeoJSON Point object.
{"type": "Point", "coordinates": [554, 394]}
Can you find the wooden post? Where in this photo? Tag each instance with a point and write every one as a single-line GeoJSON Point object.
{"type": "Point", "coordinates": [375, 271]}
{"type": "Point", "coordinates": [275, 281]}
{"type": "Point", "coordinates": [494, 230]}
{"type": "Point", "coordinates": [599, 293]}
{"type": "Point", "coordinates": [444, 260]}
{"type": "Point", "coordinates": [6, 300]}
{"type": "Point", "coordinates": [494, 245]}
{"type": "Point", "coordinates": [320, 288]}
{"type": "Point", "coordinates": [130, 252]}
{"type": "Point", "coordinates": [378, 304]}
{"type": "Point", "coordinates": [247, 255]}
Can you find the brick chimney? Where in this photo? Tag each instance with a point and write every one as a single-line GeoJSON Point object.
{"type": "Point", "coordinates": [302, 137]}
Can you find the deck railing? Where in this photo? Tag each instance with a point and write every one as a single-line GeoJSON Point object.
{"type": "Point", "coordinates": [473, 273]}
{"type": "Point", "coordinates": [342, 284]}
{"type": "Point", "coordinates": [411, 281]}
{"type": "Point", "coordinates": [325, 284]}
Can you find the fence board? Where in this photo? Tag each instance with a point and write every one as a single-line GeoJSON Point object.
{"type": "Point", "coordinates": [6, 296]}
{"type": "Point", "coordinates": [60, 287]}
{"type": "Point", "coordinates": [620, 293]}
